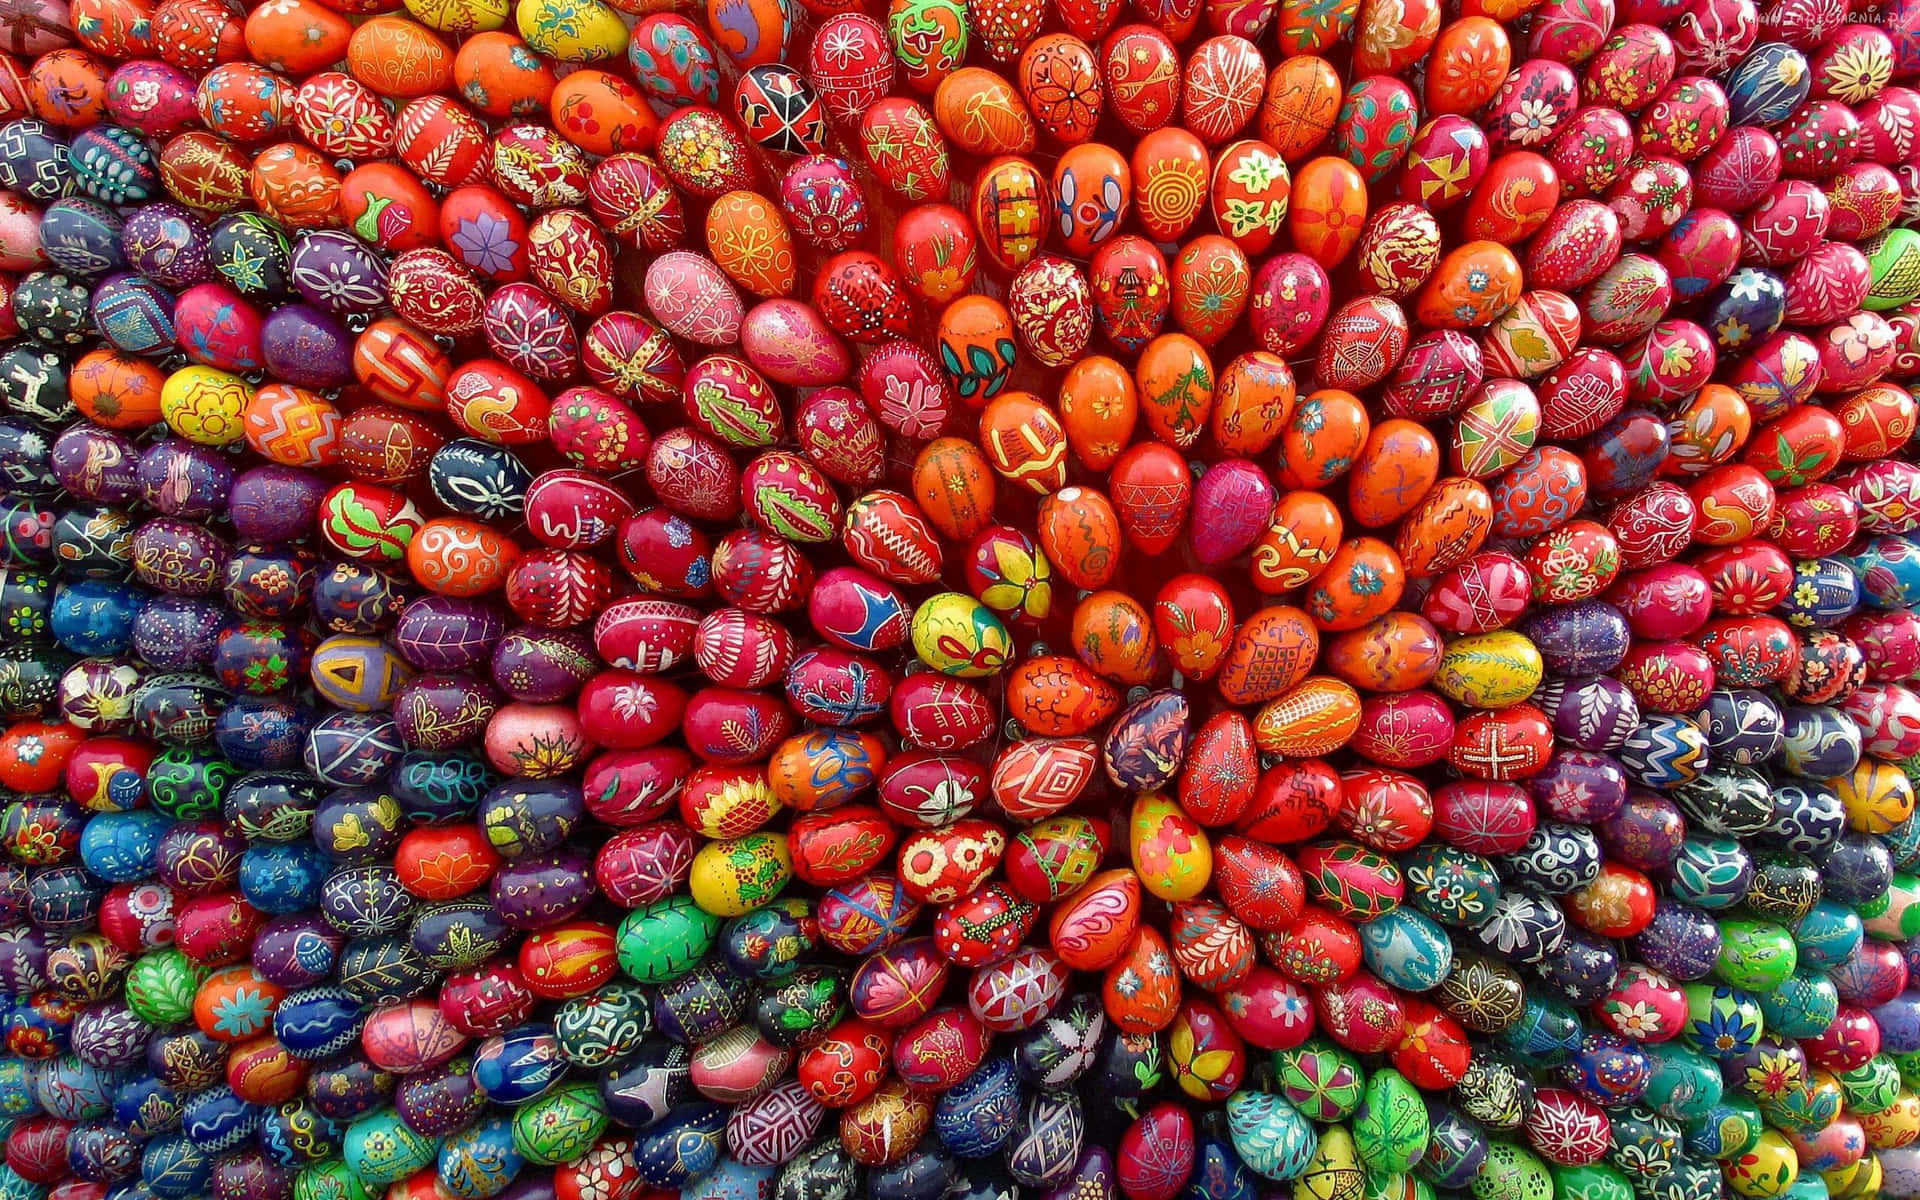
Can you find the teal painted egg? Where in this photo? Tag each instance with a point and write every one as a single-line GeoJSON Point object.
{"type": "Point", "coordinates": [1270, 1135]}
{"type": "Point", "coordinates": [1828, 935]}
{"type": "Point", "coordinates": [664, 940]}
{"type": "Point", "coordinates": [1803, 1006]}
{"type": "Point", "coordinates": [381, 1150]}
{"type": "Point", "coordinates": [1685, 1084]}
{"type": "Point", "coordinates": [1407, 948]}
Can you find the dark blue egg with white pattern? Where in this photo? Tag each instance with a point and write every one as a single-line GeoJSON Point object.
{"type": "Point", "coordinates": [1588, 638]}
{"type": "Point", "coordinates": [1746, 308]}
{"type": "Point", "coordinates": [683, 1147]}
{"type": "Point", "coordinates": [82, 237]}
{"type": "Point", "coordinates": [1808, 816]}
{"type": "Point", "coordinates": [34, 161]}
{"type": "Point", "coordinates": [519, 1065]}
{"type": "Point", "coordinates": [173, 1168]}
{"type": "Point", "coordinates": [1825, 592]}
{"type": "Point", "coordinates": [1608, 1070]}
{"type": "Point", "coordinates": [119, 847]}
{"type": "Point", "coordinates": [135, 314]}
{"type": "Point", "coordinates": [319, 1022]}
{"type": "Point", "coordinates": [1667, 749]}
{"type": "Point", "coordinates": [1583, 970]}
{"type": "Point", "coordinates": [1557, 858]}
{"type": "Point", "coordinates": [479, 479]}
{"type": "Point", "coordinates": [366, 900]}
{"type": "Point", "coordinates": [978, 1115]}
{"type": "Point", "coordinates": [1743, 726]}
{"type": "Point", "coordinates": [1681, 940]}
{"type": "Point", "coordinates": [1456, 1148]}
{"type": "Point", "coordinates": [282, 878]}
{"type": "Point", "coordinates": [1818, 742]}
{"type": "Point", "coordinates": [217, 1120]}
{"type": "Point", "coordinates": [1768, 85]}
{"type": "Point", "coordinates": [1856, 869]}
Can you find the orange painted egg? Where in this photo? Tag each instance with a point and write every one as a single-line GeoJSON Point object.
{"type": "Point", "coordinates": [296, 187]}
{"type": "Point", "coordinates": [1152, 491]}
{"type": "Point", "coordinates": [398, 57]}
{"type": "Point", "coordinates": [1092, 928]}
{"type": "Point", "coordinates": [1446, 528]}
{"type": "Point", "coordinates": [1052, 309]}
{"type": "Point", "coordinates": [1876, 420]}
{"type": "Point", "coordinates": [1298, 543]}
{"type": "Point", "coordinates": [1113, 634]}
{"type": "Point", "coordinates": [1303, 100]}
{"type": "Point", "coordinates": [1468, 64]}
{"type": "Point", "coordinates": [1038, 777]}
{"type": "Point", "coordinates": [1193, 621]}
{"type": "Point", "coordinates": [1175, 388]}
{"type": "Point", "coordinates": [1141, 989]}
{"type": "Point", "coordinates": [1211, 282]}
{"type": "Point", "coordinates": [936, 252]}
{"type": "Point", "coordinates": [1080, 533]}
{"type": "Point", "coordinates": [903, 144]}
{"type": "Point", "coordinates": [1131, 292]}
{"type": "Point", "coordinates": [1392, 473]}
{"type": "Point", "coordinates": [602, 113]}
{"type": "Point", "coordinates": [1025, 442]}
{"type": "Point", "coordinates": [953, 482]}
{"type": "Point", "coordinates": [1473, 284]}
{"type": "Point", "coordinates": [983, 114]}
{"type": "Point", "coordinates": [1251, 403]}
{"type": "Point", "coordinates": [1398, 249]}
{"type": "Point", "coordinates": [1225, 77]}
{"type": "Point", "coordinates": [1314, 718]}
{"type": "Point", "coordinates": [1707, 430]}
{"type": "Point", "coordinates": [1170, 175]}
{"type": "Point", "coordinates": [1392, 35]}
{"type": "Point", "coordinates": [1532, 337]}
{"type": "Point", "coordinates": [1250, 189]}
{"type": "Point", "coordinates": [1142, 74]}
{"type": "Point", "coordinates": [1393, 653]}
{"type": "Point", "coordinates": [1363, 580]}
{"type": "Point", "coordinates": [458, 557]}
{"type": "Point", "coordinates": [1273, 651]}
{"type": "Point", "coordinates": [977, 348]}
{"type": "Point", "coordinates": [1362, 344]}
{"type": "Point", "coordinates": [1093, 192]}
{"type": "Point", "coordinates": [1011, 209]}
{"type": "Point", "coordinates": [1327, 210]}
{"type": "Point", "coordinates": [500, 75]}
{"type": "Point", "coordinates": [750, 240]}
{"type": "Point", "coordinates": [1099, 408]}
{"type": "Point", "coordinates": [1060, 80]}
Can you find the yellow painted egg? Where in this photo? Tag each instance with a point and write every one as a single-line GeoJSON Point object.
{"type": "Point", "coordinates": [1767, 1168]}
{"type": "Point", "coordinates": [1489, 670]}
{"type": "Point", "coordinates": [205, 405]}
{"type": "Point", "coordinates": [735, 877]}
{"type": "Point", "coordinates": [1877, 796]}
{"type": "Point", "coordinates": [572, 31]}
{"type": "Point", "coordinates": [1170, 851]}
{"type": "Point", "coordinates": [957, 635]}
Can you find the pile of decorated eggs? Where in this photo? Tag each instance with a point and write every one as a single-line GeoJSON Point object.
{"type": "Point", "coordinates": [935, 599]}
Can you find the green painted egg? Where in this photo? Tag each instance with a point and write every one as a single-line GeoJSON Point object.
{"type": "Point", "coordinates": [1685, 1083]}
{"type": "Point", "coordinates": [1396, 1187]}
{"type": "Point", "coordinates": [662, 941]}
{"type": "Point", "coordinates": [1894, 915]}
{"type": "Point", "coordinates": [1755, 955]}
{"type": "Point", "coordinates": [332, 1180]}
{"type": "Point", "coordinates": [381, 1149]}
{"type": "Point", "coordinates": [1512, 1173]}
{"type": "Point", "coordinates": [957, 635]}
{"type": "Point", "coordinates": [1269, 1134]}
{"type": "Point", "coordinates": [1334, 1172]}
{"type": "Point", "coordinates": [1390, 1127]}
{"type": "Point", "coordinates": [1872, 1086]}
{"type": "Point", "coordinates": [1592, 1181]}
{"type": "Point", "coordinates": [1324, 1081]}
{"type": "Point", "coordinates": [572, 31]}
{"type": "Point", "coordinates": [1893, 264]}
{"type": "Point", "coordinates": [160, 987]}
{"type": "Point", "coordinates": [561, 1125]}
{"type": "Point", "coordinates": [734, 877]}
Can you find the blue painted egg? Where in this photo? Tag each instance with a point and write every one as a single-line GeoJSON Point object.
{"type": "Point", "coordinates": [173, 1168]}
{"type": "Point", "coordinates": [977, 1117]}
{"type": "Point", "coordinates": [1828, 935]}
{"type": "Point", "coordinates": [1889, 571]}
{"type": "Point", "coordinates": [1825, 592]}
{"type": "Point", "coordinates": [1744, 309]}
{"type": "Point", "coordinates": [217, 1120]}
{"type": "Point", "coordinates": [1768, 85]}
{"type": "Point", "coordinates": [1548, 1031]}
{"type": "Point", "coordinates": [283, 877]}
{"type": "Point", "coordinates": [119, 847]}
{"type": "Point", "coordinates": [683, 1147]}
{"type": "Point", "coordinates": [480, 1160]}
{"type": "Point", "coordinates": [318, 1022]}
{"type": "Point", "coordinates": [82, 237]}
{"type": "Point", "coordinates": [1586, 638]}
{"type": "Point", "coordinates": [733, 1180]}
{"type": "Point", "coordinates": [1818, 742]}
{"type": "Point", "coordinates": [1407, 949]}
{"type": "Point", "coordinates": [1667, 749]}
{"type": "Point", "coordinates": [146, 1107]}
{"type": "Point", "coordinates": [518, 1065]}
{"type": "Point", "coordinates": [1608, 1070]}
{"type": "Point", "coordinates": [1742, 726]}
